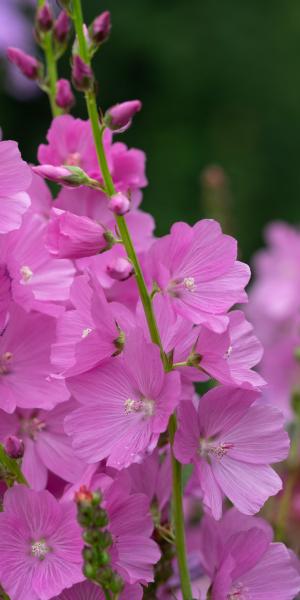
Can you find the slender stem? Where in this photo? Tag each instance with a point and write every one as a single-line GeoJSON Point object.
{"type": "Point", "coordinates": [145, 298]}
{"type": "Point", "coordinates": [178, 517]}
{"type": "Point", "coordinates": [51, 73]}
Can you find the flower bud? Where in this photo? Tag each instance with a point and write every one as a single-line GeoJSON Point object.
{"type": "Point", "coordinates": [71, 236]}
{"type": "Point", "coordinates": [119, 269]}
{"type": "Point", "coordinates": [100, 28]}
{"type": "Point", "coordinates": [13, 446]}
{"type": "Point", "coordinates": [64, 96]}
{"type": "Point", "coordinates": [119, 204]}
{"type": "Point", "coordinates": [69, 176]}
{"type": "Point", "coordinates": [62, 27]}
{"type": "Point", "coordinates": [44, 18]}
{"type": "Point", "coordinates": [119, 117]}
{"type": "Point", "coordinates": [28, 65]}
{"type": "Point", "coordinates": [82, 74]}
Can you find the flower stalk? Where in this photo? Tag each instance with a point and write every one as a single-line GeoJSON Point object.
{"type": "Point", "coordinates": [98, 131]}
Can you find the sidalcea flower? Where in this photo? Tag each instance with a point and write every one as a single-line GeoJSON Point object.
{"type": "Point", "coordinates": [127, 404]}
{"type": "Point", "coordinates": [133, 553]}
{"type": "Point", "coordinates": [28, 65]}
{"type": "Point", "coordinates": [90, 333]}
{"type": "Point", "coordinates": [119, 117]}
{"type": "Point", "coordinates": [40, 545]}
{"type": "Point", "coordinates": [231, 439]}
{"type": "Point", "coordinates": [38, 281]}
{"type": "Point", "coordinates": [90, 591]}
{"type": "Point", "coordinates": [70, 236]}
{"type": "Point", "coordinates": [64, 96]}
{"type": "Point", "coordinates": [25, 368]}
{"type": "Point", "coordinates": [15, 179]}
{"type": "Point", "coordinates": [244, 562]}
{"type": "Point", "coordinates": [45, 444]}
{"type": "Point", "coordinates": [197, 267]}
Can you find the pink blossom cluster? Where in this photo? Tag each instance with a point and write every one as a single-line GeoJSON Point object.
{"type": "Point", "coordinates": [274, 309]}
{"type": "Point", "coordinates": [87, 397]}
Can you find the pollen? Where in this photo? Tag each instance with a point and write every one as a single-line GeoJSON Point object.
{"type": "Point", "coordinates": [5, 360]}
{"type": "Point", "coordinates": [228, 352]}
{"type": "Point", "coordinates": [26, 273]}
{"type": "Point", "coordinates": [145, 406]}
{"type": "Point", "coordinates": [189, 284]}
{"type": "Point", "coordinates": [39, 549]}
{"type": "Point", "coordinates": [86, 332]}
{"type": "Point", "coordinates": [210, 448]}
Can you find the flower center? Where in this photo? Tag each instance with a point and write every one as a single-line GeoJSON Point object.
{"type": "Point", "coordinates": [5, 361]}
{"type": "Point", "coordinates": [31, 427]}
{"type": "Point", "coordinates": [73, 159]}
{"type": "Point", "coordinates": [142, 405]}
{"type": "Point", "coordinates": [239, 592]}
{"type": "Point", "coordinates": [26, 273]}
{"type": "Point", "coordinates": [86, 332]}
{"type": "Point", "coordinates": [189, 284]}
{"type": "Point", "coordinates": [209, 448]}
{"type": "Point", "coordinates": [228, 352]}
{"type": "Point", "coordinates": [39, 549]}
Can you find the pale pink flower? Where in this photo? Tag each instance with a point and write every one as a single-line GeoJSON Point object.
{"type": "Point", "coordinates": [127, 404]}
{"type": "Point", "coordinates": [15, 179]}
{"type": "Point", "coordinates": [231, 439]}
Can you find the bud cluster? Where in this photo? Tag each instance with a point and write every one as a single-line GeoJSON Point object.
{"type": "Point", "coordinates": [93, 519]}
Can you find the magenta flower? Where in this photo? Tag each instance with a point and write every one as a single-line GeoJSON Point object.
{"type": "Point", "coordinates": [231, 439]}
{"type": "Point", "coordinates": [38, 281]}
{"type": "Point", "coordinates": [119, 117]}
{"type": "Point", "coordinates": [70, 236]}
{"type": "Point", "coordinates": [243, 563]}
{"type": "Point", "coordinates": [90, 333]}
{"type": "Point", "coordinates": [127, 404]}
{"type": "Point", "coordinates": [46, 444]}
{"type": "Point", "coordinates": [89, 591]}
{"type": "Point", "coordinates": [40, 545]}
{"type": "Point", "coordinates": [28, 65]}
{"type": "Point", "coordinates": [25, 368]}
{"type": "Point", "coordinates": [64, 96]}
{"type": "Point", "coordinates": [197, 267]}
{"type": "Point", "coordinates": [15, 179]}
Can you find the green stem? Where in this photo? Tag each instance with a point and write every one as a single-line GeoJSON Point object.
{"type": "Point", "coordinates": [178, 517]}
{"type": "Point", "coordinates": [145, 298]}
{"type": "Point", "coordinates": [51, 73]}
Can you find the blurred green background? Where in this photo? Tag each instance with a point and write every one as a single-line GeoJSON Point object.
{"type": "Point", "coordinates": [220, 84]}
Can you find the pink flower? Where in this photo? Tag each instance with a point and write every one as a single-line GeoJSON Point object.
{"type": "Point", "coordinates": [90, 591]}
{"type": "Point", "coordinates": [15, 179]}
{"type": "Point", "coordinates": [231, 440]}
{"type": "Point", "coordinates": [70, 142]}
{"type": "Point", "coordinates": [243, 563]}
{"type": "Point", "coordinates": [133, 552]}
{"type": "Point", "coordinates": [197, 267]}
{"type": "Point", "coordinates": [157, 484]}
{"type": "Point", "coordinates": [127, 404]}
{"type": "Point", "coordinates": [40, 545]}
{"type": "Point", "coordinates": [90, 333]}
{"type": "Point", "coordinates": [70, 236]}
{"type": "Point", "coordinates": [46, 444]}
{"type": "Point", "coordinates": [25, 369]}
{"type": "Point", "coordinates": [38, 281]}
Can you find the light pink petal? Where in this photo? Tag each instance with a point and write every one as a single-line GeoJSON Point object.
{"type": "Point", "coordinates": [187, 437]}
{"type": "Point", "coordinates": [12, 209]}
{"type": "Point", "coordinates": [221, 409]}
{"type": "Point", "coordinates": [212, 496]}
{"type": "Point", "coordinates": [248, 486]}
{"type": "Point", "coordinates": [33, 467]}
{"type": "Point", "coordinates": [15, 174]}
{"type": "Point", "coordinates": [137, 556]}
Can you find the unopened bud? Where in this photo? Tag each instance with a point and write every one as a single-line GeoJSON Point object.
{"type": "Point", "coordinates": [119, 269]}
{"type": "Point", "coordinates": [82, 74]}
{"type": "Point", "coordinates": [14, 447]}
{"type": "Point", "coordinates": [90, 570]}
{"type": "Point", "coordinates": [28, 65]}
{"type": "Point", "coordinates": [64, 96]}
{"type": "Point", "coordinates": [44, 18]}
{"type": "Point", "coordinates": [100, 28]}
{"type": "Point", "coordinates": [119, 117]}
{"type": "Point", "coordinates": [69, 176]}
{"type": "Point", "coordinates": [62, 27]}
{"type": "Point", "coordinates": [119, 204]}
